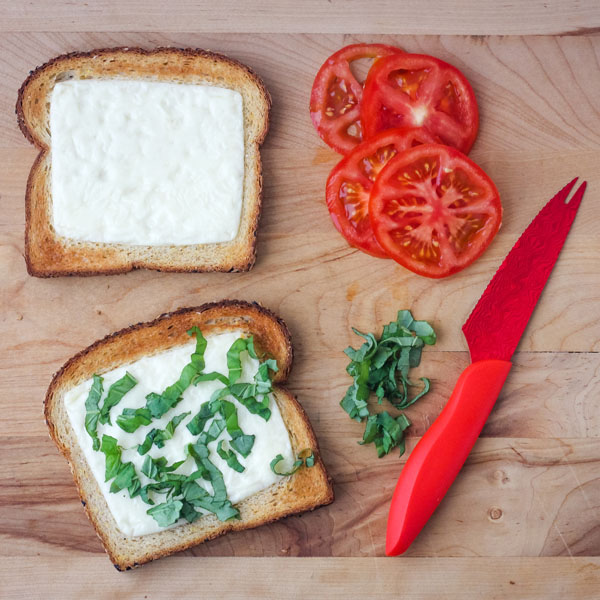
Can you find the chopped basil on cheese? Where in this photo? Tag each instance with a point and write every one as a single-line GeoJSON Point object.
{"type": "Point", "coordinates": [171, 490]}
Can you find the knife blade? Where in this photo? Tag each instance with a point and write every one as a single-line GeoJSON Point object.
{"type": "Point", "coordinates": [492, 330]}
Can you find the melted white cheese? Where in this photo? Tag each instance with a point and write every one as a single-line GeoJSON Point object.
{"type": "Point", "coordinates": [154, 374]}
{"type": "Point", "coordinates": [146, 163]}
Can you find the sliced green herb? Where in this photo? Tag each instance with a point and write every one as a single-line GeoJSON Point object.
{"type": "Point", "coordinates": [381, 367]}
{"type": "Point", "coordinates": [167, 513]}
{"type": "Point", "coordinates": [243, 444]}
{"type": "Point", "coordinates": [158, 437]}
{"type": "Point", "coordinates": [115, 394]}
{"type": "Point", "coordinates": [158, 469]}
{"type": "Point", "coordinates": [92, 410]}
{"type": "Point", "coordinates": [170, 486]}
{"type": "Point", "coordinates": [385, 432]}
{"type": "Point", "coordinates": [158, 404]}
{"type": "Point", "coordinates": [189, 513]}
{"type": "Point", "coordinates": [123, 474]}
{"type": "Point", "coordinates": [234, 361]}
{"type": "Point", "coordinates": [229, 457]}
{"type": "Point", "coordinates": [240, 442]}
{"type": "Point", "coordinates": [133, 418]}
{"type": "Point", "coordinates": [197, 423]}
{"type": "Point", "coordinates": [198, 496]}
{"type": "Point", "coordinates": [308, 460]}
{"type": "Point", "coordinates": [169, 430]}
{"type": "Point", "coordinates": [212, 376]}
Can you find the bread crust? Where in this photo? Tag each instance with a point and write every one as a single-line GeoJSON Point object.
{"type": "Point", "coordinates": [50, 255]}
{"type": "Point", "coordinates": [307, 489]}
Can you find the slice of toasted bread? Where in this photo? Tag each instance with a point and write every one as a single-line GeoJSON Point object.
{"type": "Point", "coordinates": [305, 490]}
{"type": "Point", "coordinates": [48, 254]}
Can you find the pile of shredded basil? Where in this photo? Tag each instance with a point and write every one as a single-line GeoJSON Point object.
{"type": "Point", "coordinates": [381, 366]}
{"type": "Point", "coordinates": [183, 493]}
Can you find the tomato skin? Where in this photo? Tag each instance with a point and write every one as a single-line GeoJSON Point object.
{"type": "Point", "coordinates": [433, 210]}
{"type": "Point", "coordinates": [351, 180]}
{"type": "Point", "coordinates": [409, 90]}
{"type": "Point", "coordinates": [336, 84]}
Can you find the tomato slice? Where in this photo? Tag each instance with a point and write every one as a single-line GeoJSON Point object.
{"type": "Point", "coordinates": [336, 94]}
{"type": "Point", "coordinates": [433, 210]}
{"type": "Point", "coordinates": [351, 180]}
{"type": "Point", "coordinates": [415, 90]}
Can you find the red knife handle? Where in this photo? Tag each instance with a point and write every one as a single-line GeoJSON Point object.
{"type": "Point", "coordinates": [438, 457]}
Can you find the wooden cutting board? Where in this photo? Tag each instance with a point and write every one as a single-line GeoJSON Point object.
{"type": "Point", "coordinates": [523, 518]}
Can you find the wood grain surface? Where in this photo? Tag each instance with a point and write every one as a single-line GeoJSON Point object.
{"type": "Point", "coordinates": [523, 519]}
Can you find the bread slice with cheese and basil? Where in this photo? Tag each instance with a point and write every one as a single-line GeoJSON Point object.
{"type": "Point", "coordinates": [178, 431]}
{"type": "Point", "coordinates": [148, 159]}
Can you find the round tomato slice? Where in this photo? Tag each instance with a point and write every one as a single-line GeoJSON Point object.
{"type": "Point", "coordinates": [433, 210]}
{"type": "Point", "coordinates": [415, 90]}
{"type": "Point", "coordinates": [336, 94]}
{"type": "Point", "coordinates": [351, 180]}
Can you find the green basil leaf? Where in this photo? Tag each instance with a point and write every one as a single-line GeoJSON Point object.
{"type": "Point", "coordinates": [250, 347]}
{"type": "Point", "coordinates": [189, 513]}
{"type": "Point", "coordinates": [407, 403]}
{"type": "Point", "coordinates": [425, 331]}
{"type": "Point", "coordinates": [243, 444]}
{"type": "Point", "coordinates": [172, 425]}
{"type": "Point", "coordinates": [198, 451]}
{"type": "Point", "coordinates": [229, 413]}
{"type": "Point", "coordinates": [370, 430]}
{"type": "Point", "coordinates": [196, 495]}
{"type": "Point", "coordinates": [192, 491]}
{"type": "Point", "coordinates": [124, 474]}
{"type": "Point", "coordinates": [167, 513]}
{"type": "Point", "coordinates": [214, 430]}
{"type": "Point", "coordinates": [92, 410]}
{"type": "Point", "coordinates": [234, 361]}
{"type": "Point", "coordinates": [366, 351]}
{"type": "Point", "coordinates": [212, 376]}
{"type": "Point", "coordinates": [245, 393]}
{"type": "Point", "coordinates": [150, 468]}
{"type": "Point", "coordinates": [125, 478]}
{"type": "Point", "coordinates": [115, 394]}
{"type": "Point", "coordinates": [297, 464]}
{"type": "Point", "coordinates": [197, 359]}
{"type": "Point", "coordinates": [229, 457]}
{"type": "Point", "coordinates": [147, 443]}
{"type": "Point", "coordinates": [158, 437]}
{"type": "Point", "coordinates": [197, 423]}
{"type": "Point", "coordinates": [158, 469]}
{"type": "Point", "coordinates": [414, 357]}
{"type": "Point", "coordinates": [405, 319]}
{"type": "Point", "coordinates": [386, 432]}
{"type": "Point", "coordinates": [112, 453]}
{"type": "Point", "coordinates": [355, 400]}
{"type": "Point", "coordinates": [159, 404]}
{"type": "Point", "coordinates": [133, 418]}
{"type": "Point", "coordinates": [226, 511]}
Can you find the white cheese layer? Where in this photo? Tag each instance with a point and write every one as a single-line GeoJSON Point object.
{"type": "Point", "coordinates": [154, 374]}
{"type": "Point", "coordinates": [146, 163]}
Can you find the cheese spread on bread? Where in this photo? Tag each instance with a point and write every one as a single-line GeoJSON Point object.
{"type": "Point", "coordinates": [146, 162]}
{"type": "Point", "coordinates": [154, 373]}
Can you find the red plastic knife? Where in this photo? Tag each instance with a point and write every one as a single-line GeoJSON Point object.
{"type": "Point", "coordinates": [492, 331]}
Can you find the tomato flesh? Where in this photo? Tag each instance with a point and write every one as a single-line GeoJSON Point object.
{"type": "Point", "coordinates": [351, 180]}
{"type": "Point", "coordinates": [433, 210]}
{"type": "Point", "coordinates": [336, 95]}
{"type": "Point", "coordinates": [415, 90]}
